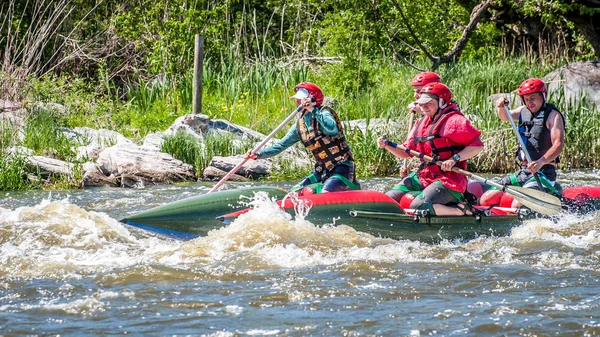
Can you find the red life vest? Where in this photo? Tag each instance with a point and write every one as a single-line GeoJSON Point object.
{"type": "Point", "coordinates": [427, 140]}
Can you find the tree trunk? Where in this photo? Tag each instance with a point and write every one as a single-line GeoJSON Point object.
{"type": "Point", "coordinates": [589, 27]}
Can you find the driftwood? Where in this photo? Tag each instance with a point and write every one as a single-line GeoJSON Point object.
{"type": "Point", "coordinates": [48, 166]}
{"type": "Point", "coordinates": [214, 174]}
{"type": "Point", "coordinates": [136, 166]}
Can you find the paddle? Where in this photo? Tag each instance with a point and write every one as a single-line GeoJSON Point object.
{"type": "Point", "coordinates": [535, 200]}
{"type": "Point", "coordinates": [404, 170]}
{"type": "Point", "coordinates": [255, 149]}
{"type": "Point", "coordinates": [521, 143]}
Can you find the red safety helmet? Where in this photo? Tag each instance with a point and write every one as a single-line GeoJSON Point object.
{"type": "Point", "coordinates": [532, 85]}
{"type": "Point", "coordinates": [440, 90]}
{"type": "Point", "coordinates": [424, 78]}
{"type": "Point", "coordinates": [313, 90]}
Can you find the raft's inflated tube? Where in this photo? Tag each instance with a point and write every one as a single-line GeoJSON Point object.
{"type": "Point", "coordinates": [407, 199]}
{"type": "Point", "coordinates": [197, 215]}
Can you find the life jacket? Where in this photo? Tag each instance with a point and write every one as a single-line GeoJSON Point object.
{"type": "Point", "coordinates": [427, 140]}
{"type": "Point", "coordinates": [328, 151]}
{"type": "Point", "coordinates": [535, 133]}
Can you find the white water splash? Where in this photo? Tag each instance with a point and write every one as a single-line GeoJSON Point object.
{"type": "Point", "coordinates": [567, 229]}
{"type": "Point", "coordinates": [59, 239]}
{"type": "Point", "coordinates": [269, 237]}
{"type": "Point", "coordinates": [301, 206]}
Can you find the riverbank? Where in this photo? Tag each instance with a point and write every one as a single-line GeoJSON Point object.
{"type": "Point", "coordinates": [256, 96]}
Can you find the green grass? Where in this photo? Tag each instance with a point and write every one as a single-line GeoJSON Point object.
{"type": "Point", "coordinates": [581, 134]}
{"type": "Point", "coordinates": [8, 135]}
{"type": "Point", "coordinates": [44, 136]}
{"type": "Point", "coordinates": [13, 170]}
{"type": "Point", "coordinates": [190, 150]}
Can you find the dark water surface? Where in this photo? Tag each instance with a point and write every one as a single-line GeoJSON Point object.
{"type": "Point", "coordinates": [69, 268]}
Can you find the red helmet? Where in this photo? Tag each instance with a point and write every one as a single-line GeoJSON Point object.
{"type": "Point", "coordinates": [440, 90]}
{"type": "Point", "coordinates": [425, 77]}
{"type": "Point", "coordinates": [532, 85]}
{"type": "Point", "coordinates": [312, 89]}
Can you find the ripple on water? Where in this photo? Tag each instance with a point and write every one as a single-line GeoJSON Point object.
{"type": "Point", "coordinates": [61, 264]}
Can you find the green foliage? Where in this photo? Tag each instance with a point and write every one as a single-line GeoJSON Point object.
{"type": "Point", "coordinates": [370, 160]}
{"type": "Point", "coordinates": [198, 153]}
{"type": "Point", "coordinates": [44, 135]}
{"type": "Point", "coordinates": [123, 42]}
{"type": "Point", "coordinates": [575, 20]}
{"type": "Point", "coordinates": [238, 92]}
{"type": "Point", "coordinates": [581, 139]}
{"type": "Point", "coordinates": [165, 29]}
{"type": "Point", "coordinates": [352, 78]}
{"type": "Point", "coordinates": [83, 105]}
{"type": "Point", "coordinates": [483, 42]}
{"type": "Point", "coordinates": [152, 107]}
{"type": "Point", "coordinates": [8, 135]}
{"type": "Point", "coordinates": [12, 173]}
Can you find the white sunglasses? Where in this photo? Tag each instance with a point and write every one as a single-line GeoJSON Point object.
{"type": "Point", "coordinates": [301, 93]}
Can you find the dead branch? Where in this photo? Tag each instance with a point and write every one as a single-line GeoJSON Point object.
{"type": "Point", "coordinates": [454, 54]}
{"type": "Point", "coordinates": [316, 60]}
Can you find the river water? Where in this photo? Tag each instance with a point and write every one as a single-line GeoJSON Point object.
{"type": "Point", "coordinates": [69, 268]}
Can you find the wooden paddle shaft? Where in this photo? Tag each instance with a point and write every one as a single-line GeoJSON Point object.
{"type": "Point", "coordinates": [410, 123]}
{"type": "Point", "coordinates": [521, 142]}
{"type": "Point", "coordinates": [255, 149]}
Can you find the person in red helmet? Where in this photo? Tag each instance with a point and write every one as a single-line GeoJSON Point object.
{"type": "Point", "coordinates": [319, 129]}
{"type": "Point", "coordinates": [445, 134]}
{"type": "Point", "coordinates": [542, 127]}
{"type": "Point", "coordinates": [418, 82]}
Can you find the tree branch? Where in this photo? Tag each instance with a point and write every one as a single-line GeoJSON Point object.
{"type": "Point", "coordinates": [412, 32]}
{"type": "Point", "coordinates": [454, 54]}
{"type": "Point", "coordinates": [391, 38]}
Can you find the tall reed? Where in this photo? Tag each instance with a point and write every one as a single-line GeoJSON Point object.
{"type": "Point", "coordinates": [43, 135]}
{"type": "Point", "coordinates": [197, 153]}
{"type": "Point", "coordinates": [13, 175]}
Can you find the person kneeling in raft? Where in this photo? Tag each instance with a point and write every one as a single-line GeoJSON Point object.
{"type": "Point", "coordinates": [541, 126]}
{"type": "Point", "coordinates": [444, 133]}
{"type": "Point", "coordinates": [320, 130]}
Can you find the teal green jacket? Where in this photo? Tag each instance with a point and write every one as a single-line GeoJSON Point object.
{"type": "Point", "coordinates": [325, 122]}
